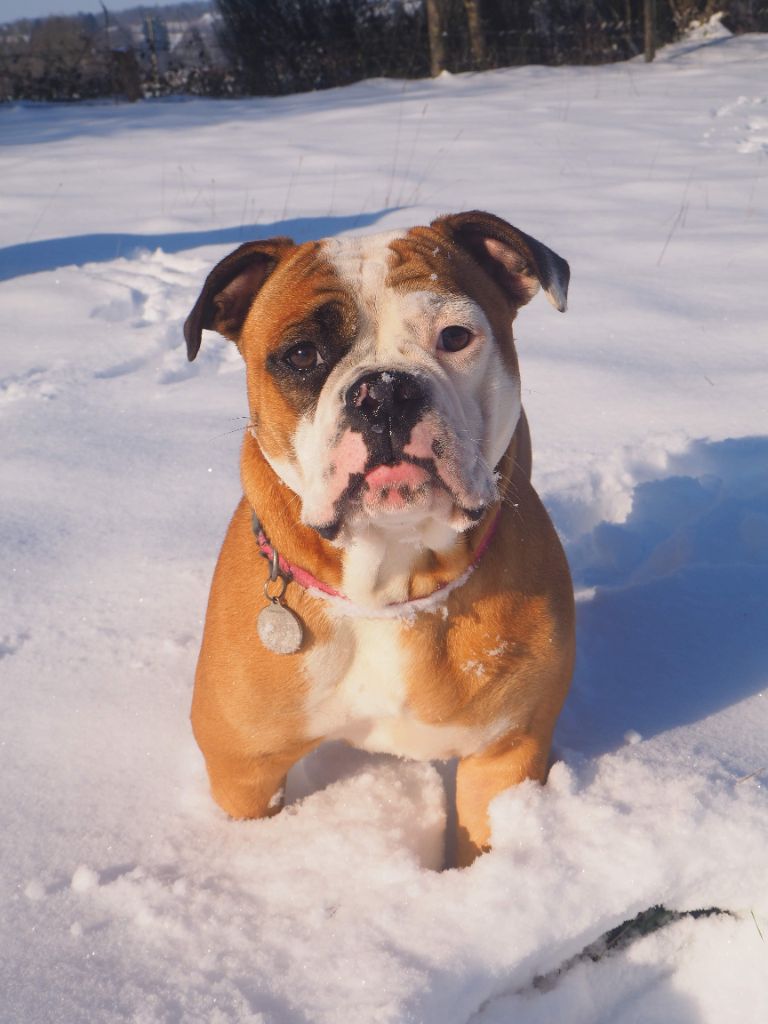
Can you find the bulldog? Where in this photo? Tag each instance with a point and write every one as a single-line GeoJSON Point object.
{"type": "Point", "coordinates": [390, 577]}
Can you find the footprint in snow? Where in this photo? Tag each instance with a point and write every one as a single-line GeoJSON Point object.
{"type": "Point", "coordinates": [33, 383]}
{"type": "Point", "coordinates": [10, 643]}
{"type": "Point", "coordinates": [756, 140]}
{"type": "Point", "coordinates": [151, 294]}
{"type": "Point", "coordinates": [738, 119]}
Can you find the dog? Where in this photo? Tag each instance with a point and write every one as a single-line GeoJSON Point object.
{"type": "Point", "coordinates": [390, 577]}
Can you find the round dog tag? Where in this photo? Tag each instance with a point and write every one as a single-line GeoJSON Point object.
{"type": "Point", "coordinates": [279, 629]}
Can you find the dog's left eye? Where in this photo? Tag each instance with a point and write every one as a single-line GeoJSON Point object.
{"type": "Point", "coordinates": [454, 339]}
{"type": "Point", "coordinates": [303, 356]}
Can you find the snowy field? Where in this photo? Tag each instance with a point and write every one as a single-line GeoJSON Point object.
{"type": "Point", "coordinates": [126, 895]}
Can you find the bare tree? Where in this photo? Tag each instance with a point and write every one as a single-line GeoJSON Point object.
{"type": "Point", "coordinates": [436, 31]}
{"type": "Point", "coordinates": [476, 34]}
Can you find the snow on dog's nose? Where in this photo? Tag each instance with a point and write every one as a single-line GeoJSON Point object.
{"type": "Point", "coordinates": [384, 406]}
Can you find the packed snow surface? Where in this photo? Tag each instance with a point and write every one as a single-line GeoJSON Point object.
{"type": "Point", "coordinates": [127, 896]}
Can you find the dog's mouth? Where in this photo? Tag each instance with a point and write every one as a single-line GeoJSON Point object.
{"type": "Point", "coordinates": [395, 494]}
{"type": "Point", "coordinates": [391, 488]}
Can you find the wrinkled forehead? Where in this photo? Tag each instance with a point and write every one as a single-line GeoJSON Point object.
{"type": "Point", "coordinates": [362, 263]}
{"type": "Point", "coordinates": [364, 280]}
{"type": "Point", "coordinates": [417, 259]}
{"type": "Point", "coordinates": [411, 274]}
{"type": "Point", "coordinates": [365, 266]}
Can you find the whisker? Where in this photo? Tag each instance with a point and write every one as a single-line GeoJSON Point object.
{"type": "Point", "coordinates": [507, 485]}
{"type": "Point", "coordinates": [235, 430]}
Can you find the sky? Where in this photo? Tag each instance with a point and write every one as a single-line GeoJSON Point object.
{"type": "Point", "coordinates": [10, 10]}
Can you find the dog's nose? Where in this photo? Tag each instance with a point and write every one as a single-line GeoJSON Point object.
{"type": "Point", "coordinates": [384, 398]}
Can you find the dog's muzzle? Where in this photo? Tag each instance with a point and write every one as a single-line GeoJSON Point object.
{"type": "Point", "coordinates": [396, 459]}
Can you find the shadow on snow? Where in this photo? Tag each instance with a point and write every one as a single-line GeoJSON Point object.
{"type": "Point", "coordinates": [676, 627]}
{"type": "Point", "coordinates": [77, 250]}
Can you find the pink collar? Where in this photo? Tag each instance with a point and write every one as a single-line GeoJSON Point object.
{"type": "Point", "coordinates": [288, 571]}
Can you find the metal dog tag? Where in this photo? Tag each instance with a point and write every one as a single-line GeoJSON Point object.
{"type": "Point", "coordinates": [279, 629]}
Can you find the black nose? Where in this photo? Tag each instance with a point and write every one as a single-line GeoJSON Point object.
{"type": "Point", "coordinates": [384, 398]}
{"type": "Point", "coordinates": [384, 407]}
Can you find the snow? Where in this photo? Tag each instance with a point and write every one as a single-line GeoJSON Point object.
{"type": "Point", "coordinates": [127, 896]}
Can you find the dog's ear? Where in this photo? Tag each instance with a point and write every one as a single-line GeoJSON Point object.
{"type": "Point", "coordinates": [517, 262]}
{"type": "Point", "coordinates": [230, 289]}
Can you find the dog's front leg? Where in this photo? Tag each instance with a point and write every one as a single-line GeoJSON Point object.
{"type": "Point", "coordinates": [250, 787]}
{"type": "Point", "coordinates": [483, 776]}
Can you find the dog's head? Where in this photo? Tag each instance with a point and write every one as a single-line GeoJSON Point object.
{"type": "Point", "coordinates": [382, 376]}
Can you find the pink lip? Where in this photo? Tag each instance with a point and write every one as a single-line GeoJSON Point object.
{"type": "Point", "coordinates": [395, 488]}
{"type": "Point", "coordinates": [404, 474]}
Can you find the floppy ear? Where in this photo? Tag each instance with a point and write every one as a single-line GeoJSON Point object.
{"type": "Point", "coordinates": [229, 290]}
{"type": "Point", "coordinates": [517, 262]}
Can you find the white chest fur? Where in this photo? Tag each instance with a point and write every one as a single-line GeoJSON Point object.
{"type": "Point", "coordinates": [359, 693]}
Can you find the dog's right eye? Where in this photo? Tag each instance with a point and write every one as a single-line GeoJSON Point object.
{"type": "Point", "coordinates": [454, 339]}
{"type": "Point", "coordinates": [303, 356]}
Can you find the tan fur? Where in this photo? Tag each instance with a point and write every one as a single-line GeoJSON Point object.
{"type": "Point", "coordinates": [491, 667]}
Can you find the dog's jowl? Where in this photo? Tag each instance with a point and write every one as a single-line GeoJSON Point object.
{"type": "Point", "coordinates": [390, 577]}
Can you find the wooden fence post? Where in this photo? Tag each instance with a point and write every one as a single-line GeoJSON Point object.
{"type": "Point", "coordinates": [649, 18]}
